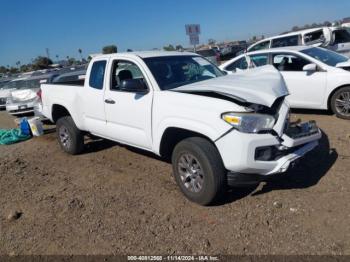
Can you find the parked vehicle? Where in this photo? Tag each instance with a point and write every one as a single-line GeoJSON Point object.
{"type": "Point", "coordinates": [24, 98]}
{"type": "Point", "coordinates": [317, 78]}
{"type": "Point", "coordinates": [333, 38]}
{"type": "Point", "coordinates": [217, 130]}
{"type": "Point", "coordinates": [229, 52]}
{"type": "Point", "coordinates": [5, 90]}
{"type": "Point", "coordinates": [3, 96]}
{"type": "Point", "coordinates": [210, 54]}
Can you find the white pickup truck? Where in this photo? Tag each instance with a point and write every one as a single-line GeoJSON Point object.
{"type": "Point", "coordinates": [217, 129]}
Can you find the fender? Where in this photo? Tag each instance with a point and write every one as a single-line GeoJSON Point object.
{"type": "Point", "coordinates": [188, 124]}
{"type": "Point", "coordinates": [75, 113]}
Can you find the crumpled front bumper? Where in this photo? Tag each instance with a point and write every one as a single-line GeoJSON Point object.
{"type": "Point", "coordinates": [239, 150]}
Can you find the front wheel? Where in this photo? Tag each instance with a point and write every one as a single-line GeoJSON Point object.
{"type": "Point", "coordinates": [70, 138]}
{"type": "Point", "coordinates": [340, 103]}
{"type": "Point", "coordinates": [198, 170]}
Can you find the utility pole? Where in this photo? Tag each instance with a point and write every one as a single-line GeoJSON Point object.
{"type": "Point", "coordinates": [47, 53]}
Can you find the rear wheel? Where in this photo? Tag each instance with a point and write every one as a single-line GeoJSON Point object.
{"type": "Point", "coordinates": [340, 103]}
{"type": "Point", "coordinates": [198, 170]}
{"type": "Point", "coordinates": [70, 138]}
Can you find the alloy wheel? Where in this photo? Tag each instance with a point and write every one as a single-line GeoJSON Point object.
{"type": "Point", "coordinates": [191, 172]}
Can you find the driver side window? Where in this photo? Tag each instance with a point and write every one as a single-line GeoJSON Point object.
{"type": "Point", "coordinates": [124, 70]}
{"type": "Point", "coordinates": [289, 62]}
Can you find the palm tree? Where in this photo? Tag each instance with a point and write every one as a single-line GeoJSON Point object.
{"type": "Point", "coordinates": [80, 51]}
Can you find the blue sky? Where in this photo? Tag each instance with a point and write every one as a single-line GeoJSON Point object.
{"type": "Point", "coordinates": [28, 27]}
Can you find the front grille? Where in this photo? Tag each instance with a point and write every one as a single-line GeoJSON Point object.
{"type": "Point", "coordinates": [296, 130]}
{"type": "Point", "coordinates": [272, 153]}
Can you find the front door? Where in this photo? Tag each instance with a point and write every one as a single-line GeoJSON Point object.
{"type": "Point", "coordinates": [307, 89]}
{"type": "Point", "coordinates": [128, 114]}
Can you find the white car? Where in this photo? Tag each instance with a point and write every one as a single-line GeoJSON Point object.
{"type": "Point", "coordinates": [333, 38]}
{"type": "Point", "coordinates": [218, 130]}
{"type": "Point", "coordinates": [317, 78]}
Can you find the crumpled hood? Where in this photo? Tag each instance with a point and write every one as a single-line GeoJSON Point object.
{"type": "Point", "coordinates": [261, 85]}
{"type": "Point", "coordinates": [23, 95]}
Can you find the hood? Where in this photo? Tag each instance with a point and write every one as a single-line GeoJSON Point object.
{"type": "Point", "coordinates": [261, 85]}
{"type": "Point", "coordinates": [23, 95]}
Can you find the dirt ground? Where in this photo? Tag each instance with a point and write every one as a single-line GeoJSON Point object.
{"type": "Point", "coordinates": [116, 200]}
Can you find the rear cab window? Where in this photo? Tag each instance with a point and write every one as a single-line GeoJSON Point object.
{"type": "Point", "coordinates": [97, 74]}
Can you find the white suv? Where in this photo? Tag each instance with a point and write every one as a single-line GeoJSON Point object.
{"type": "Point", "coordinates": [333, 38]}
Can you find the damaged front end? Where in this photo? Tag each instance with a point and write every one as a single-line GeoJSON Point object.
{"type": "Point", "coordinates": [273, 150]}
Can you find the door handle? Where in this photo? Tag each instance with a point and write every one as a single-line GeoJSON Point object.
{"type": "Point", "coordinates": [109, 101]}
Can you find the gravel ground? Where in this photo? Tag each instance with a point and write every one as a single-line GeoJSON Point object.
{"type": "Point", "coordinates": [117, 200]}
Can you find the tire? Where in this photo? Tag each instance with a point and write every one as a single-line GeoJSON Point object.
{"type": "Point", "coordinates": [340, 103]}
{"type": "Point", "coordinates": [70, 138]}
{"type": "Point", "coordinates": [210, 173]}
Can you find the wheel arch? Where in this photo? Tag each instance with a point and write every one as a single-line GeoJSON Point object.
{"type": "Point", "coordinates": [329, 99]}
{"type": "Point", "coordinates": [59, 111]}
{"type": "Point", "coordinates": [172, 136]}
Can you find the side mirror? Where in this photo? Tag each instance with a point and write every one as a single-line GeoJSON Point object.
{"type": "Point", "coordinates": [310, 67]}
{"type": "Point", "coordinates": [133, 85]}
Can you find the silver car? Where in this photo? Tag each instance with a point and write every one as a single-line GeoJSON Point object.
{"type": "Point", "coordinates": [24, 99]}
{"type": "Point", "coordinates": [6, 87]}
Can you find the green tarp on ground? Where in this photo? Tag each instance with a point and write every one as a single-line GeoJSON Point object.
{"type": "Point", "coordinates": [10, 136]}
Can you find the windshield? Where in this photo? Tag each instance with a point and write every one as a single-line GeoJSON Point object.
{"type": "Point", "coordinates": [174, 71]}
{"type": "Point", "coordinates": [326, 56]}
